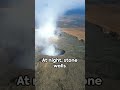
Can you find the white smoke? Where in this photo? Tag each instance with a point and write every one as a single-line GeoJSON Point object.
{"type": "Point", "coordinates": [47, 13]}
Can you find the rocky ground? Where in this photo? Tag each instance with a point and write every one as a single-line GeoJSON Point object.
{"type": "Point", "coordinates": [77, 32]}
{"type": "Point", "coordinates": [69, 78]}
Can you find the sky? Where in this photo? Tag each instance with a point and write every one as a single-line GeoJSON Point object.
{"type": "Point", "coordinates": [59, 5]}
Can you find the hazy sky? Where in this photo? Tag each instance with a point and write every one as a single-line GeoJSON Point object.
{"type": "Point", "coordinates": [58, 5]}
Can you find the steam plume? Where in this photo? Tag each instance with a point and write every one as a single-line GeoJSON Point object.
{"type": "Point", "coordinates": [47, 13]}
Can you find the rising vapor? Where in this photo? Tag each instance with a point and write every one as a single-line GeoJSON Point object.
{"type": "Point", "coordinates": [47, 13]}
